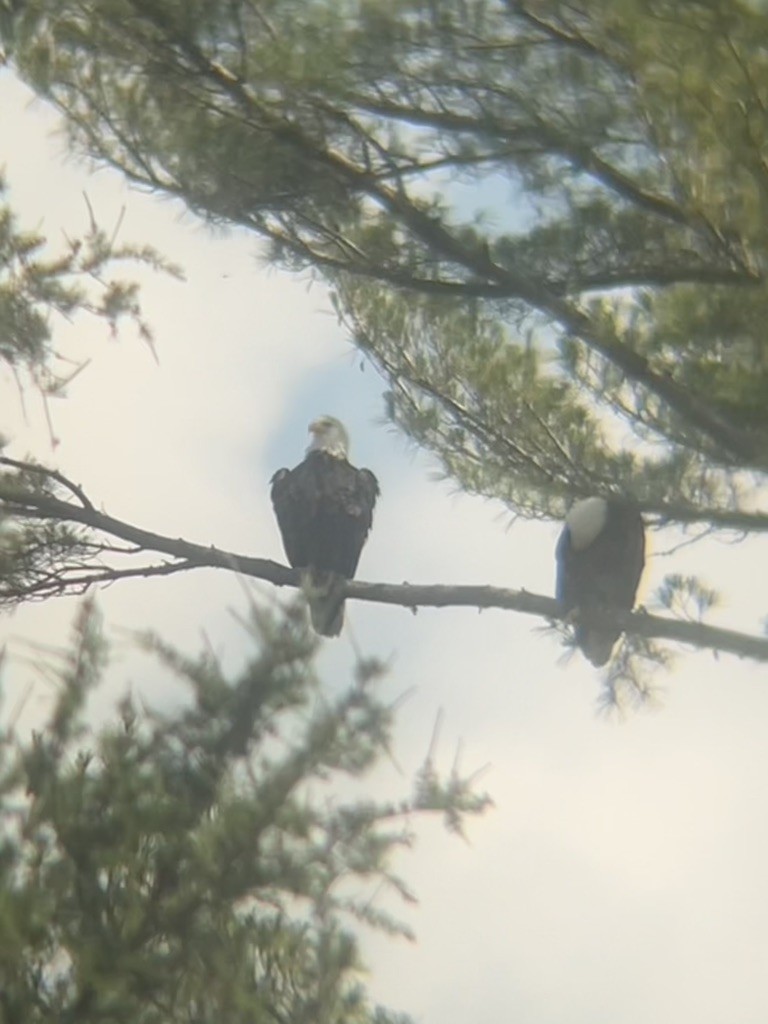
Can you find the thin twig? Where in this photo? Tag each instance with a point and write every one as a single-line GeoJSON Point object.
{"type": "Point", "coordinates": [52, 474]}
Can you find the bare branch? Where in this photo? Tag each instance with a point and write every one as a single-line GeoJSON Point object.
{"type": "Point", "coordinates": [51, 474]}
{"type": "Point", "coordinates": [75, 577]}
{"type": "Point", "coordinates": [75, 580]}
{"type": "Point", "coordinates": [640, 623]}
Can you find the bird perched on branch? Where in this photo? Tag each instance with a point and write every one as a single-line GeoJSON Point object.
{"type": "Point", "coordinates": [324, 509]}
{"type": "Point", "coordinates": [600, 558]}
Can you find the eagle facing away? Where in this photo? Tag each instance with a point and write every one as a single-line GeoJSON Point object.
{"type": "Point", "coordinates": [324, 509]}
{"type": "Point", "coordinates": [600, 558]}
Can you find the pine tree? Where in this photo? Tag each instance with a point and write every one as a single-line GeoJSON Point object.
{"type": "Point", "coordinates": [40, 286]}
{"type": "Point", "coordinates": [210, 863]}
{"type": "Point", "coordinates": [602, 253]}
{"type": "Point", "coordinates": [190, 865]}
{"type": "Point", "coordinates": [543, 222]}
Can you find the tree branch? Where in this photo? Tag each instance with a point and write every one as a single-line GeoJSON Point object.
{"type": "Point", "coordinates": [46, 507]}
{"type": "Point", "coordinates": [68, 578]}
{"type": "Point", "coordinates": [734, 444]}
{"type": "Point", "coordinates": [697, 634]}
{"type": "Point", "coordinates": [77, 580]}
{"type": "Point", "coordinates": [49, 474]}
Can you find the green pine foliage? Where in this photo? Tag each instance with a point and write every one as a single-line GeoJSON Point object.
{"type": "Point", "coordinates": [39, 288]}
{"type": "Point", "coordinates": [206, 863]}
{"type": "Point", "coordinates": [544, 223]}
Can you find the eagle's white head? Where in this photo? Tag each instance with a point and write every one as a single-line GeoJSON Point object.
{"type": "Point", "coordinates": [329, 435]}
{"type": "Point", "coordinates": [586, 519]}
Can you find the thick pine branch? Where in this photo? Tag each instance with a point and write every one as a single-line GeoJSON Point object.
{"type": "Point", "coordinates": [697, 634]}
{"type": "Point", "coordinates": [467, 256]}
{"type": "Point", "coordinates": [45, 507]}
{"type": "Point", "coordinates": [734, 442]}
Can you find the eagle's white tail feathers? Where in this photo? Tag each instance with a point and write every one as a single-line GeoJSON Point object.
{"type": "Point", "coordinates": [326, 606]}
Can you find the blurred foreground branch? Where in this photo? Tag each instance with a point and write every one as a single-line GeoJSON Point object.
{"type": "Point", "coordinates": [211, 861]}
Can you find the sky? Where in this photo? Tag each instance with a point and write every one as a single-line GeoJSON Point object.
{"type": "Point", "coordinates": [621, 874]}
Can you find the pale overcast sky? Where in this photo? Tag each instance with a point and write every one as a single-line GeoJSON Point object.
{"type": "Point", "coordinates": [621, 875]}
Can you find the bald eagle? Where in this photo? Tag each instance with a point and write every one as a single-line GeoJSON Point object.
{"type": "Point", "coordinates": [324, 509]}
{"type": "Point", "coordinates": [600, 557]}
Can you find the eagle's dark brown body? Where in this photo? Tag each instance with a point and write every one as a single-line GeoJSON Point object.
{"type": "Point", "coordinates": [600, 571]}
{"type": "Point", "coordinates": [324, 509]}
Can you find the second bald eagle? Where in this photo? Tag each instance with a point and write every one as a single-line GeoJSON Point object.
{"type": "Point", "coordinates": [324, 508]}
{"type": "Point", "coordinates": [600, 558]}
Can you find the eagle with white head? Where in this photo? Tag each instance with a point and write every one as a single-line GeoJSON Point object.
{"type": "Point", "coordinates": [600, 558]}
{"type": "Point", "coordinates": [324, 509]}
